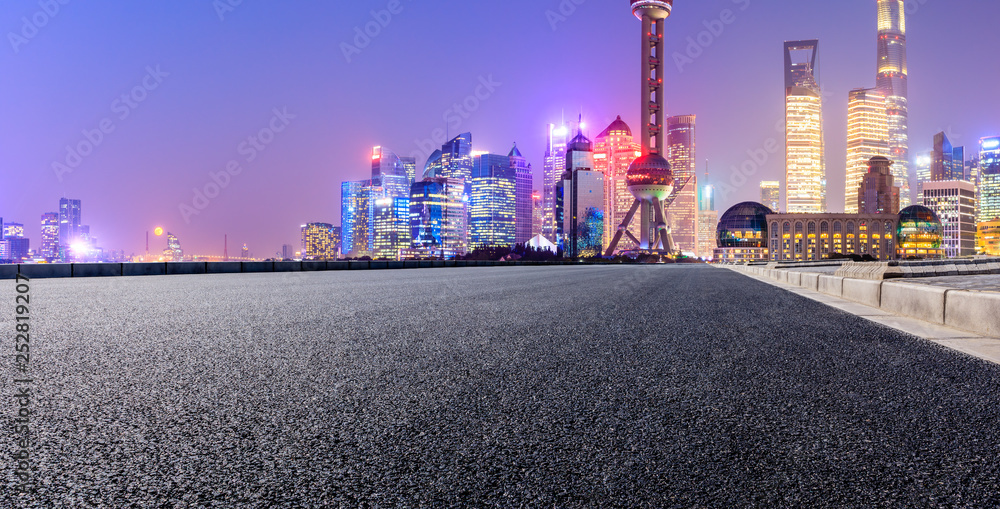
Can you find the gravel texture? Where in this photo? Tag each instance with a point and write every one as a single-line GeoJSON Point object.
{"type": "Point", "coordinates": [621, 386]}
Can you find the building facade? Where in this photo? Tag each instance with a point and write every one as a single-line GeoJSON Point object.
{"type": "Point", "coordinates": [989, 179]}
{"type": "Point", "coordinates": [438, 216]}
{"type": "Point", "coordinates": [805, 237]}
{"type": "Point", "coordinates": [770, 194]}
{"type": "Point", "coordinates": [552, 171]}
{"type": "Point", "coordinates": [947, 161]}
{"type": "Point", "coordinates": [954, 202]}
{"type": "Point", "coordinates": [614, 150]}
{"type": "Point", "coordinates": [805, 177]}
{"type": "Point", "coordinates": [867, 137]}
{"type": "Point", "coordinates": [891, 82]}
{"type": "Point", "coordinates": [988, 238]}
{"type": "Point", "coordinates": [741, 235]}
{"type": "Point", "coordinates": [391, 227]}
{"type": "Point", "coordinates": [682, 156]}
{"type": "Point", "coordinates": [878, 193]}
{"type": "Point", "coordinates": [50, 236]}
{"type": "Point", "coordinates": [524, 216]}
{"type": "Point", "coordinates": [580, 202]}
{"type": "Point", "coordinates": [493, 205]}
{"type": "Point", "coordinates": [70, 227]}
{"type": "Point", "coordinates": [319, 242]}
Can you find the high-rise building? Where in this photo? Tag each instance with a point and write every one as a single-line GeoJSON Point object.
{"type": "Point", "coordinates": [173, 252]}
{"type": "Point", "coordinates": [432, 168]}
{"type": "Point", "coordinates": [552, 170]}
{"type": "Point", "coordinates": [536, 213]}
{"type": "Point", "coordinates": [410, 166]}
{"type": "Point", "coordinates": [12, 230]}
{"type": "Point", "coordinates": [805, 178]}
{"type": "Point", "coordinates": [389, 172]}
{"type": "Point", "coordinates": [522, 195]}
{"type": "Point", "coordinates": [867, 137]}
{"type": "Point", "coordinates": [70, 222]}
{"type": "Point", "coordinates": [580, 201]}
{"type": "Point", "coordinates": [50, 236]}
{"type": "Point", "coordinates": [954, 202]}
{"type": "Point", "coordinates": [947, 162]}
{"type": "Point", "coordinates": [614, 151]}
{"type": "Point", "coordinates": [878, 192]}
{"type": "Point", "coordinates": [391, 227]}
{"type": "Point", "coordinates": [989, 179]}
{"type": "Point", "coordinates": [287, 252]}
{"type": "Point", "coordinates": [891, 81]}
{"type": "Point", "coordinates": [683, 212]}
{"type": "Point", "coordinates": [354, 216]}
{"type": "Point", "coordinates": [244, 252]}
{"type": "Point", "coordinates": [988, 238]}
{"type": "Point", "coordinates": [493, 205]}
{"type": "Point", "coordinates": [708, 221]}
{"type": "Point", "coordinates": [770, 194]}
{"type": "Point", "coordinates": [456, 159]}
{"type": "Point", "coordinates": [438, 218]}
{"type": "Point", "coordinates": [923, 167]}
{"type": "Point", "coordinates": [319, 242]}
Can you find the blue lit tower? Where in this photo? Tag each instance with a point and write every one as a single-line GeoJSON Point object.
{"type": "Point", "coordinates": [649, 177]}
{"type": "Point", "coordinates": [525, 185]}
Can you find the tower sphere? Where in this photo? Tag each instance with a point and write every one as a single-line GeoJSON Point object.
{"type": "Point", "coordinates": [656, 9]}
{"type": "Point", "coordinates": [650, 177]}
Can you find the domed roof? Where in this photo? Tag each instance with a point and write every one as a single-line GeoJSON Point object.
{"type": "Point", "coordinates": [617, 125]}
{"type": "Point", "coordinates": [918, 213]}
{"type": "Point", "coordinates": [744, 225]}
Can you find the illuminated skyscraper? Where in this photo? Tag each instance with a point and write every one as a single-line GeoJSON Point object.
{"type": "Point", "coordinates": [867, 137]}
{"type": "Point", "coordinates": [878, 192]}
{"type": "Point", "coordinates": [438, 216]}
{"type": "Point", "coordinates": [552, 170]}
{"type": "Point", "coordinates": [354, 216]}
{"type": "Point", "coordinates": [50, 235]}
{"type": "Point", "coordinates": [923, 167]}
{"type": "Point", "coordinates": [389, 171]}
{"type": "Point", "coordinates": [947, 162]}
{"type": "Point", "coordinates": [525, 184]}
{"type": "Point", "coordinates": [954, 202]}
{"type": "Point", "coordinates": [770, 194]}
{"type": "Point", "coordinates": [12, 230]}
{"type": "Point", "coordinates": [681, 156]}
{"type": "Point", "coordinates": [493, 205]}
{"type": "Point", "coordinates": [319, 242]}
{"type": "Point", "coordinates": [536, 213]}
{"type": "Point", "coordinates": [456, 159]}
{"type": "Point", "coordinates": [173, 252]}
{"type": "Point", "coordinates": [892, 82]}
{"type": "Point", "coordinates": [391, 227]}
{"type": "Point", "coordinates": [580, 201]}
{"type": "Point", "coordinates": [805, 179]}
{"type": "Point", "coordinates": [614, 151]}
{"type": "Point", "coordinates": [708, 219]}
{"type": "Point", "coordinates": [410, 166]}
{"type": "Point", "coordinates": [989, 179]}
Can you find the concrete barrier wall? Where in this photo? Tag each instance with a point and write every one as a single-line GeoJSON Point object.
{"type": "Point", "coordinates": [287, 266]}
{"type": "Point", "coordinates": [96, 269]}
{"type": "Point", "coordinates": [258, 266]}
{"type": "Point", "coordinates": [810, 281]}
{"type": "Point", "coordinates": [8, 271]}
{"type": "Point", "coordinates": [973, 311]}
{"type": "Point", "coordinates": [225, 268]}
{"type": "Point", "coordinates": [864, 291]}
{"type": "Point", "coordinates": [831, 285]}
{"type": "Point", "coordinates": [144, 269]}
{"type": "Point", "coordinates": [186, 268]}
{"type": "Point", "coordinates": [313, 266]}
{"type": "Point", "coordinates": [42, 271]}
{"type": "Point", "coordinates": [914, 300]}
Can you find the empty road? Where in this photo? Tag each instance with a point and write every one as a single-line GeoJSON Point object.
{"type": "Point", "coordinates": [619, 386]}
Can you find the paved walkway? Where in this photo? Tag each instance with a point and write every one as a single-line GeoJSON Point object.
{"type": "Point", "coordinates": [623, 386]}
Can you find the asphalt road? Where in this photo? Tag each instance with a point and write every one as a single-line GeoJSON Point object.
{"type": "Point", "coordinates": [509, 387]}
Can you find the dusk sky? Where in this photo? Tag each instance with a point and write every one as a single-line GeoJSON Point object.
{"type": "Point", "coordinates": [220, 81]}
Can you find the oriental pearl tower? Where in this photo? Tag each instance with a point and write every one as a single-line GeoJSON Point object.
{"type": "Point", "coordinates": [649, 177]}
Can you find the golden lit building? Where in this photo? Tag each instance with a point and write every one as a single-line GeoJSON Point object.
{"type": "Point", "coordinates": [683, 212]}
{"type": "Point", "coordinates": [988, 238]}
{"type": "Point", "coordinates": [770, 194]}
{"type": "Point", "coordinates": [867, 137]}
{"type": "Point", "coordinates": [320, 241]}
{"type": "Point", "coordinates": [805, 179]}
{"type": "Point", "coordinates": [614, 151]}
{"type": "Point", "coordinates": [807, 237]}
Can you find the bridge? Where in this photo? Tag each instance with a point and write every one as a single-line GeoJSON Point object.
{"type": "Point", "coordinates": [565, 386]}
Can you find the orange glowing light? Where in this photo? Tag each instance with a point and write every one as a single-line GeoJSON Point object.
{"type": "Point", "coordinates": [158, 231]}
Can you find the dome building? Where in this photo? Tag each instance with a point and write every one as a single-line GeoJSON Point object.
{"type": "Point", "coordinates": [919, 234]}
{"type": "Point", "coordinates": [741, 235]}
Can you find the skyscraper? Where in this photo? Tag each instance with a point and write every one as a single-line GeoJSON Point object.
{"type": "Point", "coordinates": [456, 159]}
{"type": "Point", "coordinates": [947, 162]}
{"type": "Point", "coordinates": [50, 236]}
{"type": "Point", "coordinates": [580, 201]}
{"type": "Point", "coordinates": [552, 170]}
{"type": "Point", "coordinates": [391, 227]}
{"type": "Point", "coordinates": [70, 223]}
{"type": "Point", "coordinates": [878, 192]}
{"type": "Point", "coordinates": [173, 252]}
{"type": "Point", "coordinates": [614, 151]}
{"type": "Point", "coordinates": [923, 167]}
{"type": "Point", "coordinates": [389, 172]}
{"type": "Point", "coordinates": [891, 82]}
{"type": "Point", "coordinates": [353, 215]}
{"type": "Point", "coordinates": [989, 179]}
{"type": "Point", "coordinates": [867, 137]}
{"type": "Point", "coordinates": [805, 180]}
{"type": "Point", "coordinates": [522, 195]}
{"type": "Point", "coordinates": [682, 158]}
{"type": "Point", "coordinates": [536, 213]}
{"type": "Point", "coordinates": [770, 194]}
{"type": "Point", "coordinates": [319, 242]}
{"type": "Point", "coordinates": [954, 202]}
{"type": "Point", "coordinates": [493, 205]}
{"type": "Point", "coordinates": [438, 218]}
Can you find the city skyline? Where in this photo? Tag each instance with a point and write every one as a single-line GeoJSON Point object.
{"type": "Point", "coordinates": [193, 129]}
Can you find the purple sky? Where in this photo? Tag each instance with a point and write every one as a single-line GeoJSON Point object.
{"type": "Point", "coordinates": [227, 76]}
